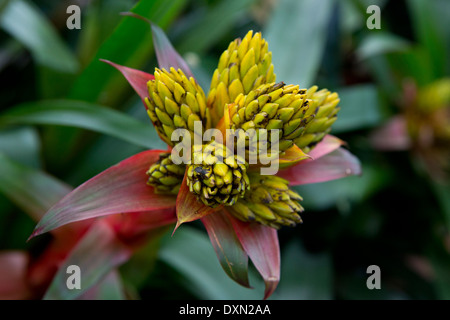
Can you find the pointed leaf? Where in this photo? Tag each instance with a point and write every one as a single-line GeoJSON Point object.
{"type": "Point", "coordinates": [31, 190]}
{"type": "Point", "coordinates": [119, 189]}
{"type": "Point", "coordinates": [82, 115]}
{"type": "Point", "coordinates": [130, 44]}
{"type": "Point", "coordinates": [326, 146]}
{"type": "Point", "coordinates": [202, 274]}
{"type": "Point", "coordinates": [232, 257]}
{"type": "Point", "coordinates": [292, 156]}
{"type": "Point", "coordinates": [261, 244]}
{"type": "Point", "coordinates": [97, 253]}
{"type": "Point", "coordinates": [338, 164]}
{"type": "Point", "coordinates": [136, 78]}
{"type": "Point", "coordinates": [425, 24]}
{"type": "Point", "coordinates": [189, 208]}
{"type": "Point", "coordinates": [13, 265]}
{"type": "Point", "coordinates": [166, 54]}
{"type": "Point", "coordinates": [393, 136]}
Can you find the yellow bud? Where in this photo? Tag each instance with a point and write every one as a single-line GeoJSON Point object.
{"type": "Point", "coordinates": [175, 102]}
{"type": "Point", "coordinates": [248, 61]}
{"type": "Point", "coordinates": [165, 176]}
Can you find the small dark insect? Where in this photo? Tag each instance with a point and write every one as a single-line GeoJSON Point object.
{"type": "Point", "coordinates": [203, 172]}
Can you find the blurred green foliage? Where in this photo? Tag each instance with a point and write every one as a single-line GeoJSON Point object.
{"type": "Point", "coordinates": [65, 116]}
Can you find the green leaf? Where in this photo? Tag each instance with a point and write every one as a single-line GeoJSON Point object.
{"type": "Point", "coordinates": [231, 255]}
{"type": "Point", "coordinates": [207, 30]}
{"type": "Point", "coordinates": [305, 276]}
{"type": "Point", "coordinates": [107, 151]}
{"type": "Point", "coordinates": [82, 115]}
{"type": "Point", "coordinates": [413, 63]}
{"type": "Point", "coordinates": [29, 26]}
{"type": "Point", "coordinates": [351, 19]}
{"type": "Point", "coordinates": [99, 21]}
{"type": "Point", "coordinates": [441, 12]}
{"type": "Point", "coordinates": [130, 45]}
{"type": "Point", "coordinates": [359, 108]}
{"type": "Point", "coordinates": [202, 272]}
{"type": "Point", "coordinates": [425, 26]}
{"type": "Point", "coordinates": [31, 190]}
{"type": "Point", "coordinates": [379, 43]}
{"type": "Point", "coordinates": [21, 145]}
{"type": "Point", "coordinates": [296, 34]}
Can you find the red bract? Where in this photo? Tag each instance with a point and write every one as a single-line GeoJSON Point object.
{"type": "Point", "coordinates": [121, 191]}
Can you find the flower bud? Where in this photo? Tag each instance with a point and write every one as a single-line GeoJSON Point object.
{"type": "Point", "coordinates": [165, 176]}
{"type": "Point", "coordinates": [269, 202]}
{"type": "Point", "coordinates": [244, 66]}
{"type": "Point", "coordinates": [175, 102]}
{"type": "Point", "coordinates": [272, 106]}
{"type": "Point", "coordinates": [217, 177]}
{"type": "Point", "coordinates": [323, 105]}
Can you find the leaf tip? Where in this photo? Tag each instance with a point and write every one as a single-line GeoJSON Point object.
{"type": "Point", "coordinates": [178, 224]}
{"type": "Point", "coordinates": [135, 15]}
{"type": "Point", "coordinates": [37, 231]}
{"type": "Point", "coordinates": [271, 285]}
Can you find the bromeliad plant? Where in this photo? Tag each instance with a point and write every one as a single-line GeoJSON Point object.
{"type": "Point", "coordinates": [422, 128]}
{"type": "Point", "coordinates": [240, 208]}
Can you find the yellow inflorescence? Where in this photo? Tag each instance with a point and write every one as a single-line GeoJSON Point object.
{"type": "Point", "coordinates": [175, 102]}
{"type": "Point", "coordinates": [244, 66]}
{"type": "Point", "coordinates": [243, 95]}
